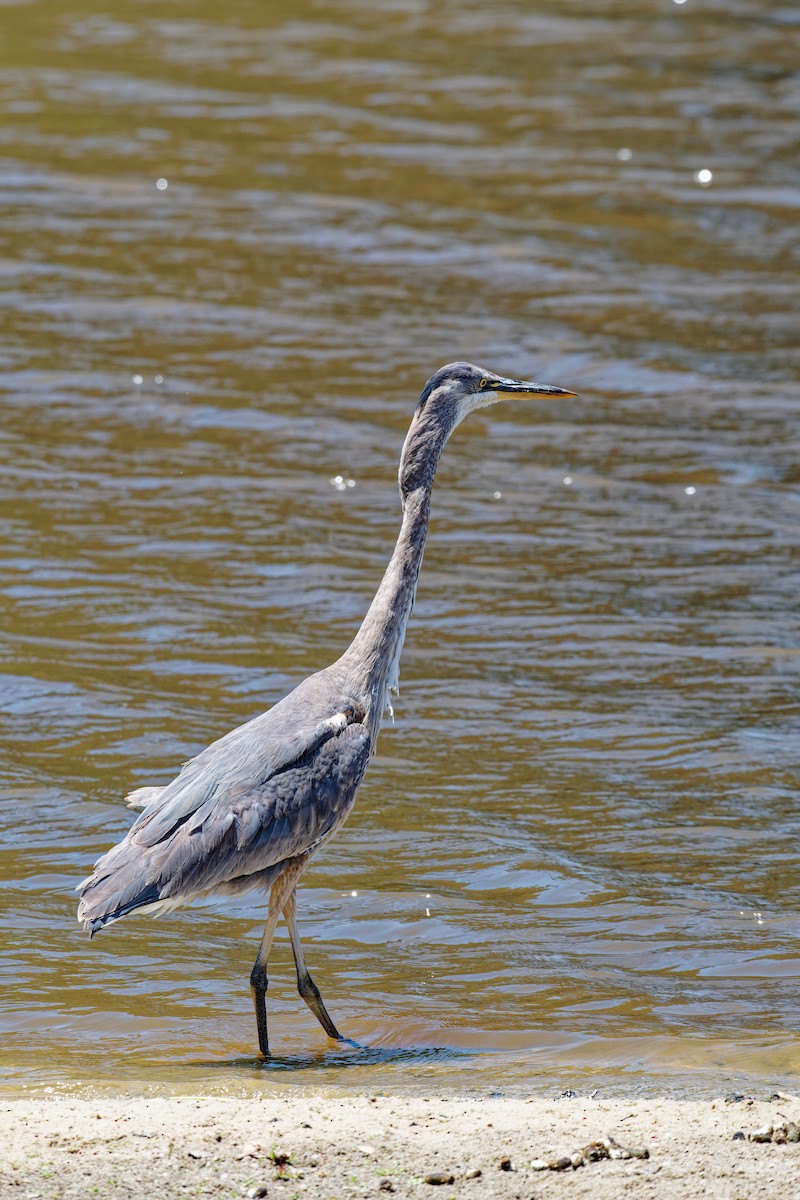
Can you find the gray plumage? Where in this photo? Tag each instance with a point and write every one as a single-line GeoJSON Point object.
{"type": "Point", "coordinates": [266, 792]}
{"type": "Point", "coordinates": [250, 810]}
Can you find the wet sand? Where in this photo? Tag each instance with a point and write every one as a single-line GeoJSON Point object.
{"type": "Point", "coordinates": [339, 1145]}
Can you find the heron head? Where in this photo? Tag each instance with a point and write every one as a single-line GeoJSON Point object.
{"type": "Point", "coordinates": [462, 387]}
{"type": "Point", "coordinates": [448, 397]}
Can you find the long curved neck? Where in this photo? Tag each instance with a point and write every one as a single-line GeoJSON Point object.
{"type": "Point", "coordinates": [372, 663]}
{"type": "Point", "coordinates": [373, 658]}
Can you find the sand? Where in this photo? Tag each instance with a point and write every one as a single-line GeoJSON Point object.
{"type": "Point", "coordinates": [289, 1147]}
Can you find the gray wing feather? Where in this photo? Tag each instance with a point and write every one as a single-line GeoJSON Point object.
{"type": "Point", "coordinates": [141, 797]}
{"type": "Point", "coordinates": [248, 755]}
{"type": "Point", "coordinates": [231, 816]}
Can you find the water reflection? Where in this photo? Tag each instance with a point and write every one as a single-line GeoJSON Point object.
{"type": "Point", "coordinates": [554, 867]}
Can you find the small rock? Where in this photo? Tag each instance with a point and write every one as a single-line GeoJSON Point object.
{"type": "Point", "coordinates": [195, 1152]}
{"type": "Point", "coordinates": [784, 1131]}
{"type": "Point", "coordinates": [738, 1136]}
{"type": "Point", "coordinates": [506, 1164]}
{"type": "Point", "coordinates": [611, 1149]}
{"type": "Point", "coordinates": [439, 1177]}
{"type": "Point", "coordinates": [604, 1147]}
{"type": "Point", "coordinates": [386, 1185]}
{"type": "Point", "coordinates": [568, 1094]}
{"type": "Point", "coordinates": [256, 1193]}
{"type": "Point", "coordinates": [475, 1173]}
{"type": "Point", "coordinates": [251, 1150]}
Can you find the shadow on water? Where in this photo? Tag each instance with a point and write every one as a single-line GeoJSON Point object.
{"type": "Point", "coordinates": [340, 1059]}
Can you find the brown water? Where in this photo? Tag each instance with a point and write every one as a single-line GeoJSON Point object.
{"type": "Point", "coordinates": [574, 862]}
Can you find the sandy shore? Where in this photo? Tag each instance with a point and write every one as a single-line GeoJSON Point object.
{"type": "Point", "coordinates": [368, 1146]}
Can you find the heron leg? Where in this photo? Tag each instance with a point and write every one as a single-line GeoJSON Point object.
{"type": "Point", "coordinates": [305, 984]}
{"type": "Point", "coordinates": [284, 885]}
{"type": "Point", "coordinates": [259, 981]}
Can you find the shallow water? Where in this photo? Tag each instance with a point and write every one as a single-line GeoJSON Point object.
{"type": "Point", "coordinates": [575, 857]}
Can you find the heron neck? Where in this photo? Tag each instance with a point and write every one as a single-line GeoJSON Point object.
{"type": "Point", "coordinates": [373, 659]}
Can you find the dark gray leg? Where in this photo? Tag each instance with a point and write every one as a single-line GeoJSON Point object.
{"type": "Point", "coordinates": [259, 981]}
{"type": "Point", "coordinates": [283, 886]}
{"type": "Point", "coordinates": [305, 984]}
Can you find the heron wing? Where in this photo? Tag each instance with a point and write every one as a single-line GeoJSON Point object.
{"type": "Point", "coordinates": [235, 826]}
{"type": "Point", "coordinates": [244, 759]}
{"type": "Point", "coordinates": [289, 815]}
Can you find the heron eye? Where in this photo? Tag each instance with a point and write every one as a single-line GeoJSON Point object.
{"type": "Point", "coordinates": [484, 383]}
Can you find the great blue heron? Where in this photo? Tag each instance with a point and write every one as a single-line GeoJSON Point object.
{"type": "Point", "coordinates": [250, 810]}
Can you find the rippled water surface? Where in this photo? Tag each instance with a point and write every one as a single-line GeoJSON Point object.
{"type": "Point", "coordinates": [575, 858]}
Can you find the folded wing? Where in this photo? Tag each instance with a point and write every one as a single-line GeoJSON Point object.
{"type": "Point", "coordinates": [233, 816]}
